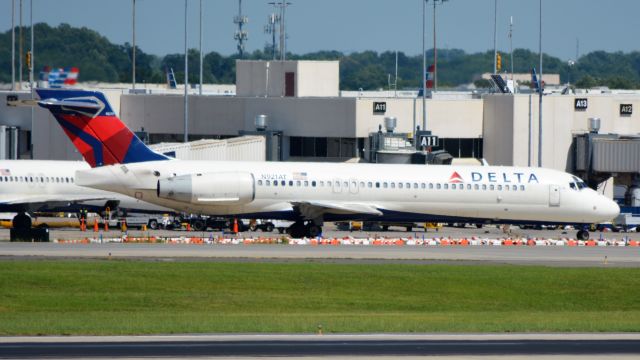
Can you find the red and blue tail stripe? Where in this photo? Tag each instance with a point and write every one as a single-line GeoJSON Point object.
{"type": "Point", "coordinates": [89, 121]}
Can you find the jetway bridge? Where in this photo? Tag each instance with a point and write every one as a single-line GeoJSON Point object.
{"type": "Point", "coordinates": [597, 157]}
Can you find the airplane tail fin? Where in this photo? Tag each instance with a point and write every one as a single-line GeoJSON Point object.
{"type": "Point", "coordinates": [534, 80]}
{"type": "Point", "coordinates": [95, 130]}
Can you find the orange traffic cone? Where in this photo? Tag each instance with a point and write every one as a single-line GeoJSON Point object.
{"type": "Point", "coordinates": [95, 225]}
{"type": "Point", "coordinates": [235, 225]}
{"type": "Point", "coordinates": [82, 225]}
{"type": "Point", "coordinates": [106, 225]}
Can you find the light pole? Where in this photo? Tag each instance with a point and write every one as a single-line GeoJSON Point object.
{"type": "Point", "coordinates": [540, 94]}
{"type": "Point", "coordinates": [20, 50]}
{"type": "Point", "coordinates": [495, 36]}
{"type": "Point", "coordinates": [200, 91]}
{"type": "Point", "coordinates": [133, 49]}
{"type": "Point", "coordinates": [511, 45]}
{"type": "Point", "coordinates": [13, 45]}
{"type": "Point", "coordinates": [31, 51]}
{"type": "Point", "coordinates": [424, 66]}
{"type": "Point", "coordinates": [435, 47]}
{"type": "Point", "coordinates": [186, 76]}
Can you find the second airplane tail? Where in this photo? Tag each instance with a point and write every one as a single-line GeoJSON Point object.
{"type": "Point", "coordinates": [95, 130]}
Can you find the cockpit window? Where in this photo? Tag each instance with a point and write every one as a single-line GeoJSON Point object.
{"type": "Point", "coordinates": [577, 184]}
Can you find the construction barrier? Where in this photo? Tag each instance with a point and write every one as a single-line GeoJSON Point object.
{"type": "Point", "coordinates": [350, 241]}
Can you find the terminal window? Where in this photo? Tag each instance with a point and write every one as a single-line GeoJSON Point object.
{"type": "Point", "coordinates": [322, 147]}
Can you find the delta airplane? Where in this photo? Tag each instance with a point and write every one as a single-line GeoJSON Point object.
{"type": "Point", "coordinates": [311, 193]}
{"type": "Point", "coordinates": [44, 185]}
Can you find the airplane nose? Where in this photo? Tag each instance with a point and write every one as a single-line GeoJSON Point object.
{"type": "Point", "coordinates": [608, 208]}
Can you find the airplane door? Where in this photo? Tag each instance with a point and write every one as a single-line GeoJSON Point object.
{"type": "Point", "coordinates": [353, 186]}
{"type": "Point", "coordinates": [337, 186]}
{"type": "Point", "coordinates": [554, 195]}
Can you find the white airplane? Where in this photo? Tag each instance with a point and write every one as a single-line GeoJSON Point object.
{"type": "Point", "coordinates": [49, 186]}
{"type": "Point", "coordinates": [311, 193]}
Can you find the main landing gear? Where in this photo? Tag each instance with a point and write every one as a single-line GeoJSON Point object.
{"type": "Point", "coordinates": [300, 229]}
{"type": "Point", "coordinates": [583, 235]}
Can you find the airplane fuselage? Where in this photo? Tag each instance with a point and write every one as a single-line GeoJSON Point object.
{"type": "Point", "coordinates": [46, 185]}
{"type": "Point", "coordinates": [356, 191]}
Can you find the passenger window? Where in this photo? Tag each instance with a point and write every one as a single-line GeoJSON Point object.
{"type": "Point", "coordinates": [361, 184]}
{"type": "Point", "coordinates": [345, 183]}
{"type": "Point", "coordinates": [369, 184]}
{"type": "Point", "coordinates": [423, 185]}
{"type": "Point", "coordinates": [290, 182]}
{"type": "Point", "coordinates": [400, 185]}
{"type": "Point", "coordinates": [506, 187]}
{"type": "Point", "coordinates": [42, 179]}
{"type": "Point", "coordinates": [338, 184]}
{"type": "Point", "coordinates": [385, 185]}
{"type": "Point", "coordinates": [476, 187]}
{"type": "Point", "coordinates": [408, 185]}
{"type": "Point", "coordinates": [514, 187]}
{"type": "Point", "coordinates": [21, 179]}
{"type": "Point", "coordinates": [446, 186]}
{"type": "Point", "coordinates": [499, 187]}
{"type": "Point", "coordinates": [313, 183]}
{"type": "Point", "coordinates": [260, 182]}
{"type": "Point", "coordinates": [468, 186]}
{"type": "Point", "coordinates": [268, 182]}
{"type": "Point", "coordinates": [377, 185]}
{"type": "Point", "coordinates": [415, 185]}
{"type": "Point", "coordinates": [491, 187]}
{"type": "Point", "coordinates": [438, 186]}
{"type": "Point", "coordinates": [283, 183]}
{"type": "Point", "coordinates": [484, 186]}
{"type": "Point", "coordinates": [430, 186]}
{"type": "Point", "coordinates": [275, 182]}
{"type": "Point", "coordinates": [306, 183]}
{"type": "Point", "coordinates": [298, 183]}
{"type": "Point", "coordinates": [393, 185]}
{"type": "Point", "coordinates": [522, 187]}
{"type": "Point", "coordinates": [321, 183]}
{"type": "Point", "coordinates": [329, 183]}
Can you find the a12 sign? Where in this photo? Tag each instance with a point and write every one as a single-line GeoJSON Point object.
{"type": "Point", "coordinates": [626, 109]}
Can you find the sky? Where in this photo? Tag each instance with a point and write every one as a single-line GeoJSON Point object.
{"type": "Point", "coordinates": [354, 25]}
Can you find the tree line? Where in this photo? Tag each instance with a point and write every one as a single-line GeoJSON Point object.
{"type": "Point", "coordinates": [101, 60]}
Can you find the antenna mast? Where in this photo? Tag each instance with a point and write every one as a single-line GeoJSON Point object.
{"type": "Point", "coordinates": [271, 28]}
{"type": "Point", "coordinates": [241, 36]}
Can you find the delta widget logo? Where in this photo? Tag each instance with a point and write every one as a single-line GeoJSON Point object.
{"type": "Point", "coordinates": [455, 178]}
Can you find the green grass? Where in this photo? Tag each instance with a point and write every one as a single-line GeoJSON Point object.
{"type": "Point", "coordinates": [141, 297]}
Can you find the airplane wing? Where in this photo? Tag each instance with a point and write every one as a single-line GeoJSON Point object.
{"type": "Point", "coordinates": [49, 198]}
{"type": "Point", "coordinates": [314, 209]}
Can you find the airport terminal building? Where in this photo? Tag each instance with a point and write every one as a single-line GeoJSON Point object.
{"type": "Point", "coordinates": [304, 116]}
